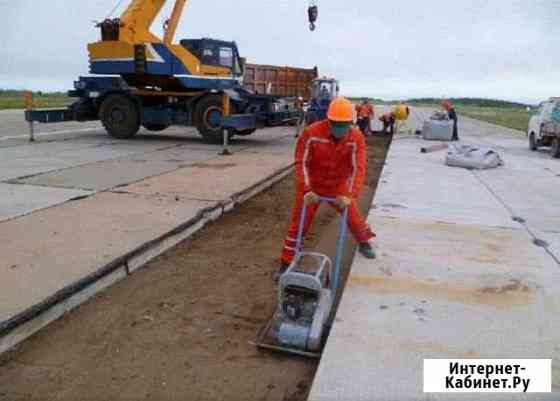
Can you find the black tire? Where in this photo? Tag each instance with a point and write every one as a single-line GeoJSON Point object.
{"type": "Point", "coordinates": [533, 142]}
{"type": "Point", "coordinates": [156, 127]}
{"type": "Point", "coordinates": [120, 116]}
{"type": "Point", "coordinates": [555, 148]}
{"type": "Point", "coordinates": [206, 114]}
{"type": "Point", "coordinates": [245, 132]}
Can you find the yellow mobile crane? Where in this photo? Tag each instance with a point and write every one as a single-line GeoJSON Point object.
{"type": "Point", "coordinates": [143, 80]}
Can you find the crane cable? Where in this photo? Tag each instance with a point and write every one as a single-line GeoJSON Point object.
{"type": "Point", "coordinates": [119, 2]}
{"type": "Point", "coordinates": [312, 12]}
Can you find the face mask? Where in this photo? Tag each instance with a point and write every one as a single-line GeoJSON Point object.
{"type": "Point", "coordinates": [339, 130]}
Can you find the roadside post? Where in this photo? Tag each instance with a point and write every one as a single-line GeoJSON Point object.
{"type": "Point", "coordinates": [225, 113]}
{"type": "Point", "coordinates": [28, 98]}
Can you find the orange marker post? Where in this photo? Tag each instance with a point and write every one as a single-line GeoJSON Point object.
{"type": "Point", "coordinates": [225, 113]}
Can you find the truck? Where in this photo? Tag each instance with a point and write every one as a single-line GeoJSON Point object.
{"type": "Point", "coordinates": [280, 81]}
{"type": "Point", "coordinates": [323, 91]}
{"type": "Point", "coordinates": [138, 79]}
{"type": "Point", "coordinates": [544, 127]}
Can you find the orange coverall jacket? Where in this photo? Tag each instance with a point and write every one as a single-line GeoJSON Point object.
{"type": "Point", "coordinates": [365, 111]}
{"type": "Point", "coordinates": [329, 168]}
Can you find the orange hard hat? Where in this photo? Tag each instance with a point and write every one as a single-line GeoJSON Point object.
{"type": "Point", "coordinates": [341, 110]}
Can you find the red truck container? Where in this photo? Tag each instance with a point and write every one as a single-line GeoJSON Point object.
{"type": "Point", "coordinates": [279, 81]}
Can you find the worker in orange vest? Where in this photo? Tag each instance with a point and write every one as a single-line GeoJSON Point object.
{"type": "Point", "coordinates": [365, 114]}
{"type": "Point", "coordinates": [330, 161]}
{"type": "Point", "coordinates": [388, 121]}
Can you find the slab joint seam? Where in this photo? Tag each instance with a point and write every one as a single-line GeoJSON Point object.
{"type": "Point", "coordinates": [513, 214]}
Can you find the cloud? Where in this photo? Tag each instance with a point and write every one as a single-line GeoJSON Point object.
{"type": "Point", "coordinates": [499, 48]}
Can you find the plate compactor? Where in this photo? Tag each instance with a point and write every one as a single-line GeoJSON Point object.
{"type": "Point", "coordinates": [306, 298]}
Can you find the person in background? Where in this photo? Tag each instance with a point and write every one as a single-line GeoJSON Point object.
{"type": "Point", "coordinates": [388, 120]}
{"type": "Point", "coordinates": [299, 105]}
{"type": "Point", "coordinates": [365, 113]}
{"type": "Point", "coordinates": [330, 162]}
{"type": "Point", "coordinates": [452, 114]}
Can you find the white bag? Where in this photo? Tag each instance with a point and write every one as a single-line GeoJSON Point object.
{"type": "Point", "coordinates": [472, 157]}
{"type": "Point", "coordinates": [437, 130]}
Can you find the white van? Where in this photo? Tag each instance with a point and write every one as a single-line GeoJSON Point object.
{"type": "Point", "coordinates": [544, 127]}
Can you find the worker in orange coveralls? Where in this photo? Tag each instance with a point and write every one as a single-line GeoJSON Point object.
{"type": "Point", "coordinates": [365, 114]}
{"type": "Point", "coordinates": [388, 120]}
{"type": "Point", "coordinates": [452, 114]}
{"type": "Point", "coordinates": [330, 162]}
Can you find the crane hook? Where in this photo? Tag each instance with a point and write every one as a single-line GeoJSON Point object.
{"type": "Point", "coordinates": [313, 13]}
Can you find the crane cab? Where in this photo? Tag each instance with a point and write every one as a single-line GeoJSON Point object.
{"type": "Point", "coordinates": [216, 53]}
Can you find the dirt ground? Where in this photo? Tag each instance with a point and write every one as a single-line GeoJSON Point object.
{"type": "Point", "coordinates": [180, 329]}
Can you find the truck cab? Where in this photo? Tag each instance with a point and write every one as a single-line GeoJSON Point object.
{"type": "Point", "coordinates": [323, 92]}
{"type": "Point", "coordinates": [216, 53]}
{"type": "Point", "coordinates": [544, 127]}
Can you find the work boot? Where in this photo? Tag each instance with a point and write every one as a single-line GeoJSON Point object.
{"type": "Point", "coordinates": [366, 249]}
{"type": "Point", "coordinates": [279, 271]}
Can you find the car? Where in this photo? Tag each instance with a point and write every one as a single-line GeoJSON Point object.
{"type": "Point", "coordinates": [544, 127]}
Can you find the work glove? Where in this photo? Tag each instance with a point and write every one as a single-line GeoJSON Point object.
{"type": "Point", "coordinates": [343, 201]}
{"type": "Point", "coordinates": [310, 198]}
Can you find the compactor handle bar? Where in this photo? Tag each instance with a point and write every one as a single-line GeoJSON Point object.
{"type": "Point", "coordinates": [339, 243]}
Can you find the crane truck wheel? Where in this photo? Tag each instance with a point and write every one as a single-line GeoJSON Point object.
{"type": "Point", "coordinates": [555, 148]}
{"type": "Point", "coordinates": [120, 116]}
{"type": "Point", "coordinates": [156, 127]}
{"type": "Point", "coordinates": [208, 118]}
{"type": "Point", "coordinates": [245, 132]}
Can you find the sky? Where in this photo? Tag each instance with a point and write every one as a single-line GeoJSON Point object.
{"type": "Point", "coordinates": [505, 49]}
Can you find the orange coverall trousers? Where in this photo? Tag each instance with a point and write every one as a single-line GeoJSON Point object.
{"type": "Point", "coordinates": [356, 224]}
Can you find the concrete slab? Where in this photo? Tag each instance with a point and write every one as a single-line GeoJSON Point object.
{"type": "Point", "coordinates": [16, 200]}
{"type": "Point", "coordinates": [456, 277]}
{"type": "Point", "coordinates": [458, 198]}
{"type": "Point", "coordinates": [215, 179]}
{"type": "Point", "coordinates": [455, 292]}
{"type": "Point", "coordinates": [110, 174]}
{"type": "Point", "coordinates": [13, 167]}
{"type": "Point", "coordinates": [53, 248]}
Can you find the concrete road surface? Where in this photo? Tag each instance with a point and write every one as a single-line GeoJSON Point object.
{"type": "Point", "coordinates": [457, 274]}
{"type": "Point", "coordinates": [71, 160]}
{"type": "Point", "coordinates": [125, 195]}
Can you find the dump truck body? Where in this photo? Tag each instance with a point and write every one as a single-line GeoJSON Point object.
{"type": "Point", "coordinates": [279, 81]}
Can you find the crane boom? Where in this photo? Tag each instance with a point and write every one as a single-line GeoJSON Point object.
{"type": "Point", "coordinates": [173, 22]}
{"type": "Point", "coordinates": [128, 48]}
{"type": "Point", "coordinates": [137, 19]}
